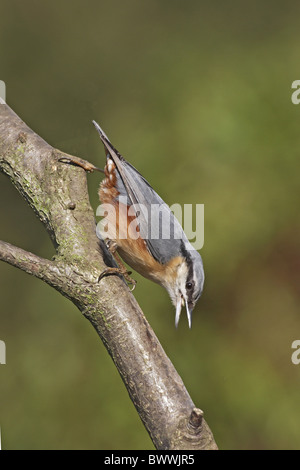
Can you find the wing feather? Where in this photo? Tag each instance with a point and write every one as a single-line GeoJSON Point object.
{"type": "Point", "coordinates": [158, 226]}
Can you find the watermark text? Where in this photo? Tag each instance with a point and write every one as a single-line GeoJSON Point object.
{"type": "Point", "coordinates": [2, 352]}
{"type": "Point", "coordinates": [296, 354]}
{"type": "Point", "coordinates": [151, 222]}
{"type": "Point", "coordinates": [2, 90]}
{"type": "Point", "coordinates": [296, 94]}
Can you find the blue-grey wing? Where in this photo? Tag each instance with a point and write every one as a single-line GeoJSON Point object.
{"type": "Point", "coordinates": [157, 224]}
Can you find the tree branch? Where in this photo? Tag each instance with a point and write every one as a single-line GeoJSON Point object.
{"type": "Point", "coordinates": [24, 260]}
{"type": "Point", "coordinates": [58, 195]}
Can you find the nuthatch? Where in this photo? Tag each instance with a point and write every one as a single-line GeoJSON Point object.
{"type": "Point", "coordinates": [169, 261]}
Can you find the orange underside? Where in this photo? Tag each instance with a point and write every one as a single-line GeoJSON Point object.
{"type": "Point", "coordinates": [122, 228]}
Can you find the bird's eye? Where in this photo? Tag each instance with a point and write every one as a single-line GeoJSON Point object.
{"type": "Point", "coordinates": [188, 285]}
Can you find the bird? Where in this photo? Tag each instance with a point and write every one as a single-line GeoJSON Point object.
{"type": "Point", "coordinates": [154, 246]}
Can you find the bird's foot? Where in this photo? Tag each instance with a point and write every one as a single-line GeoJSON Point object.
{"type": "Point", "coordinates": [121, 270]}
{"type": "Point", "coordinates": [112, 247]}
{"type": "Point", "coordinates": [87, 166]}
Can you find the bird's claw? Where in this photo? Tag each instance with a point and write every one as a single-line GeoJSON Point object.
{"type": "Point", "coordinates": [113, 271]}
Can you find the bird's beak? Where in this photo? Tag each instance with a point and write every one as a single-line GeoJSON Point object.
{"type": "Point", "coordinates": [189, 308]}
{"type": "Point", "coordinates": [178, 311]}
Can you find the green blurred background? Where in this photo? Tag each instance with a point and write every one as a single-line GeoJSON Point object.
{"type": "Point", "coordinates": [197, 95]}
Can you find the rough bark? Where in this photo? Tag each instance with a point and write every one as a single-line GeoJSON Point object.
{"type": "Point", "coordinates": [58, 195]}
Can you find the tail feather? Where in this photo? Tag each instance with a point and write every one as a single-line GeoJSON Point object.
{"type": "Point", "coordinates": [113, 152]}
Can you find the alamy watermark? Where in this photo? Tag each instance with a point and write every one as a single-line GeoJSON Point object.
{"type": "Point", "coordinates": [296, 94]}
{"type": "Point", "coordinates": [296, 354]}
{"type": "Point", "coordinates": [2, 90]}
{"type": "Point", "coordinates": [152, 221]}
{"type": "Point", "coordinates": [2, 352]}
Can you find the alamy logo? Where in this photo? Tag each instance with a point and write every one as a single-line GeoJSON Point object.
{"type": "Point", "coordinates": [153, 221]}
{"type": "Point", "coordinates": [2, 352]}
{"type": "Point", "coordinates": [296, 94]}
{"type": "Point", "coordinates": [2, 90]}
{"type": "Point", "coordinates": [296, 354]}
